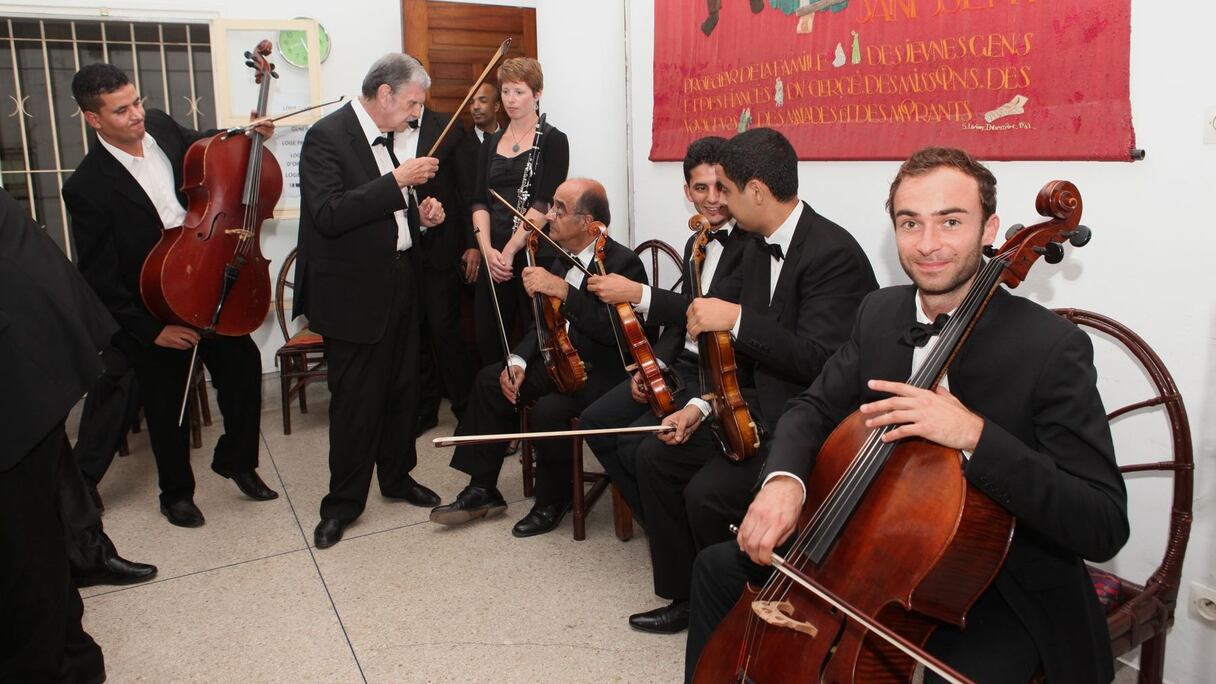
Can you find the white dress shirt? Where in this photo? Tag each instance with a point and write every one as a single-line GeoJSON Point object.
{"type": "Point", "coordinates": [574, 277]}
{"type": "Point", "coordinates": [482, 135]}
{"type": "Point", "coordinates": [405, 146]}
{"type": "Point", "coordinates": [154, 174]}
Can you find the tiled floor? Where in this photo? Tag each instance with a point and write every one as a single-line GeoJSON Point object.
{"type": "Point", "coordinates": [246, 598]}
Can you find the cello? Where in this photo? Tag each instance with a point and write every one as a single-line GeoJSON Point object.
{"type": "Point", "coordinates": [209, 274]}
{"type": "Point", "coordinates": [893, 540]}
{"type": "Point", "coordinates": [732, 424]}
{"type": "Point", "coordinates": [654, 382]}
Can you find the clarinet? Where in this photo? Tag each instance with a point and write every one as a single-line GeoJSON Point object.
{"type": "Point", "coordinates": [525, 184]}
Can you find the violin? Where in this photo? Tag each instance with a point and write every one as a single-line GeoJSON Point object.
{"type": "Point", "coordinates": [209, 274]}
{"type": "Point", "coordinates": [891, 535]}
{"type": "Point", "coordinates": [561, 359]}
{"type": "Point", "coordinates": [732, 425]}
{"type": "Point", "coordinates": [654, 382]}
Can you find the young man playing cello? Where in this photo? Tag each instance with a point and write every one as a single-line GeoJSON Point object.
{"type": "Point", "coordinates": [122, 195]}
{"type": "Point", "coordinates": [1035, 440]}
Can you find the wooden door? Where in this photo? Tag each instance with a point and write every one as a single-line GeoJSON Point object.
{"type": "Point", "coordinates": [454, 40]}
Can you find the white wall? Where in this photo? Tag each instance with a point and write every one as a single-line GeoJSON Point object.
{"type": "Point", "coordinates": [1152, 220]}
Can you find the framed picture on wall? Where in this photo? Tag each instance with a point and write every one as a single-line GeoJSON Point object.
{"type": "Point", "coordinates": [296, 55]}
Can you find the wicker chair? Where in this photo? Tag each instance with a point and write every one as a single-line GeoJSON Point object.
{"type": "Point", "coordinates": [301, 359]}
{"type": "Point", "coordinates": [1140, 615]}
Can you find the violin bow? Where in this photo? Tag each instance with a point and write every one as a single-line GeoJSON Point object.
{"type": "Point", "coordinates": [502, 52]}
{"type": "Point", "coordinates": [556, 434]}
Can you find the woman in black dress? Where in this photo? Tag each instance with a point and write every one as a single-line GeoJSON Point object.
{"type": "Point", "coordinates": [501, 163]}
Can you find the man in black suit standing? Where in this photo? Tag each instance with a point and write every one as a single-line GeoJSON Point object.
{"type": "Point", "coordinates": [497, 392]}
{"type": "Point", "coordinates": [788, 306]}
{"type": "Point", "coordinates": [443, 269]}
{"type": "Point", "coordinates": [625, 404]}
{"type": "Point", "coordinates": [358, 283]}
{"type": "Point", "coordinates": [1037, 442]}
{"type": "Point", "coordinates": [52, 332]}
{"type": "Point", "coordinates": [121, 197]}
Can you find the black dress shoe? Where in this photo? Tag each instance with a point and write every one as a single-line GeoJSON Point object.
{"type": "Point", "coordinates": [540, 519]}
{"type": "Point", "coordinates": [183, 513]}
{"type": "Point", "coordinates": [666, 620]}
{"type": "Point", "coordinates": [114, 569]}
{"type": "Point", "coordinates": [425, 423]}
{"type": "Point", "coordinates": [414, 493]}
{"type": "Point", "coordinates": [252, 486]}
{"type": "Point", "coordinates": [328, 532]}
{"type": "Point", "coordinates": [471, 503]}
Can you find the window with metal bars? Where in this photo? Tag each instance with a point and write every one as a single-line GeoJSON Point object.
{"type": "Point", "coordinates": [42, 133]}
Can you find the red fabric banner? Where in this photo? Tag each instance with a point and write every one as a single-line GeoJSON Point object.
{"type": "Point", "coordinates": [879, 79]}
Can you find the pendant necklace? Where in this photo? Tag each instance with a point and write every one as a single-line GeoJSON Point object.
{"type": "Point", "coordinates": [515, 147]}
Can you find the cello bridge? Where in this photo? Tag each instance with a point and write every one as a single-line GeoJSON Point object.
{"type": "Point", "coordinates": [242, 233]}
{"type": "Point", "coordinates": [780, 614]}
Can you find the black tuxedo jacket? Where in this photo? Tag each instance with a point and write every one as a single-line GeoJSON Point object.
{"type": "Point", "coordinates": [115, 225]}
{"type": "Point", "coordinates": [348, 236]}
{"type": "Point", "coordinates": [52, 328]}
{"type": "Point", "coordinates": [1045, 454]}
{"type": "Point", "coordinates": [443, 244]}
{"type": "Point", "coordinates": [783, 344]}
{"type": "Point", "coordinates": [670, 309]}
{"type": "Point", "coordinates": [590, 322]}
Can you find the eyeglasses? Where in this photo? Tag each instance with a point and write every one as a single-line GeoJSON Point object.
{"type": "Point", "coordinates": [560, 213]}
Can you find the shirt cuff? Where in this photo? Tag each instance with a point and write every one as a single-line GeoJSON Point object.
{"type": "Point", "coordinates": [734, 330]}
{"type": "Point", "coordinates": [702, 406]}
{"type": "Point", "coordinates": [517, 361]}
{"type": "Point", "coordinates": [783, 473]}
{"type": "Point", "coordinates": [643, 305]}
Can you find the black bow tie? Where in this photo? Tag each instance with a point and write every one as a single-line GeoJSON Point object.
{"type": "Point", "coordinates": [721, 235]}
{"type": "Point", "coordinates": [773, 249]}
{"type": "Point", "coordinates": [387, 141]}
{"type": "Point", "coordinates": [414, 123]}
{"type": "Point", "coordinates": [918, 334]}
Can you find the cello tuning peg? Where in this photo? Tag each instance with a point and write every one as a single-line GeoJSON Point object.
{"type": "Point", "coordinates": [989, 251]}
{"type": "Point", "coordinates": [1013, 230]}
{"type": "Point", "coordinates": [1052, 252]}
{"type": "Point", "coordinates": [248, 55]}
{"type": "Point", "coordinates": [249, 63]}
{"type": "Point", "coordinates": [1079, 236]}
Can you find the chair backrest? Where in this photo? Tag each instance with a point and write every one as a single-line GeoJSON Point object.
{"type": "Point", "coordinates": [284, 283]}
{"type": "Point", "coordinates": [657, 248]}
{"type": "Point", "coordinates": [1164, 582]}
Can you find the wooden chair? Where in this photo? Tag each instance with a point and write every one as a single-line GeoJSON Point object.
{"type": "Point", "coordinates": [301, 359]}
{"type": "Point", "coordinates": [1140, 615]}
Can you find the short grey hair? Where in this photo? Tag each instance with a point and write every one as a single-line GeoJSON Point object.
{"type": "Point", "coordinates": [394, 69]}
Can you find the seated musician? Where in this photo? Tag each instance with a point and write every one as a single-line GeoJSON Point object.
{"type": "Point", "coordinates": [120, 199]}
{"type": "Point", "coordinates": [625, 404]}
{"type": "Point", "coordinates": [797, 289]}
{"type": "Point", "coordinates": [1021, 405]}
{"type": "Point", "coordinates": [498, 392]}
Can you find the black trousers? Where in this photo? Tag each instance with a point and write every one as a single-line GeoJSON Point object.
{"type": "Point", "coordinates": [489, 412]}
{"type": "Point", "coordinates": [995, 647]}
{"type": "Point", "coordinates": [109, 411]}
{"type": "Point", "coordinates": [445, 366]}
{"type": "Point", "coordinates": [691, 495]}
{"type": "Point", "coordinates": [374, 405]}
{"type": "Point", "coordinates": [514, 303]}
{"type": "Point", "coordinates": [235, 366]}
{"type": "Point", "coordinates": [41, 639]}
{"type": "Point", "coordinates": [86, 543]}
{"type": "Point", "coordinates": [617, 408]}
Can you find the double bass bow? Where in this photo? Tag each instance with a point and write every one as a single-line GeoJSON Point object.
{"type": "Point", "coordinates": [731, 422]}
{"type": "Point", "coordinates": [893, 540]}
{"type": "Point", "coordinates": [209, 274]}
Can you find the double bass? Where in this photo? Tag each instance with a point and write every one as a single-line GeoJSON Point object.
{"type": "Point", "coordinates": [732, 424]}
{"type": "Point", "coordinates": [209, 274]}
{"type": "Point", "coordinates": [893, 539]}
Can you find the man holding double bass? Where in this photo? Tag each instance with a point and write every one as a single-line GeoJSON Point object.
{"type": "Point", "coordinates": [1019, 401]}
{"type": "Point", "coordinates": [121, 197]}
